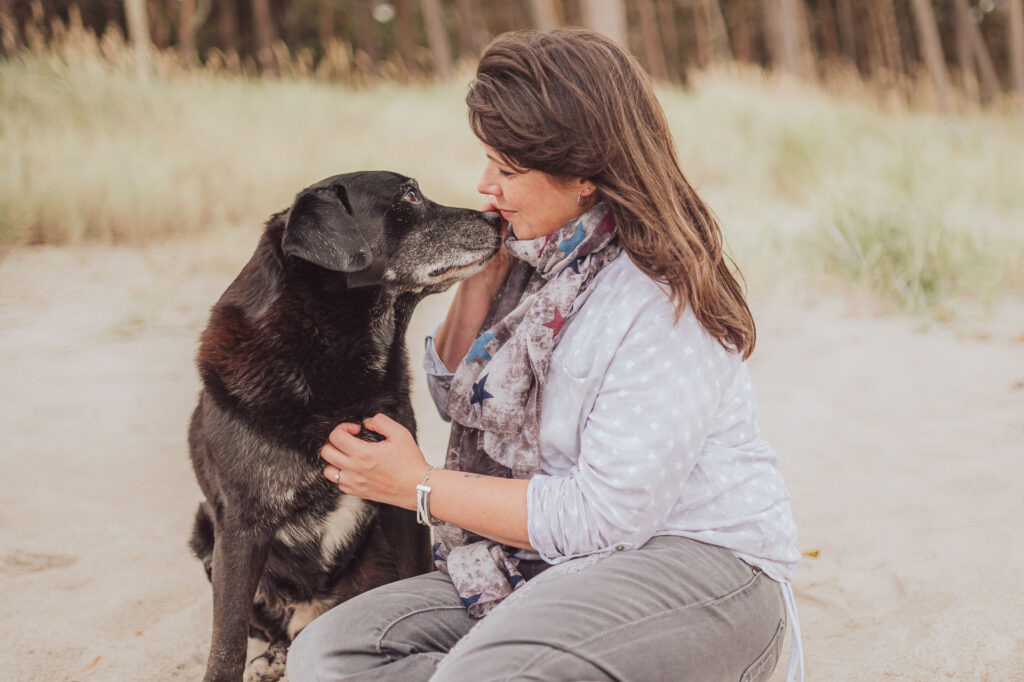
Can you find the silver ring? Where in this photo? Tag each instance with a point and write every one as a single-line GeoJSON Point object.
{"type": "Point", "coordinates": [337, 476]}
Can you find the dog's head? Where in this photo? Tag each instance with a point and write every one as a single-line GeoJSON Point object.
{"type": "Point", "coordinates": [378, 229]}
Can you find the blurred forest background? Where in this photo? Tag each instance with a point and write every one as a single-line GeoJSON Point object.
{"type": "Point", "coordinates": [973, 46]}
{"type": "Point", "coordinates": [970, 48]}
{"type": "Point", "coordinates": [877, 140]}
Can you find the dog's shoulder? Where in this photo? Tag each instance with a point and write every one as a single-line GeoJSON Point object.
{"type": "Point", "coordinates": [236, 350]}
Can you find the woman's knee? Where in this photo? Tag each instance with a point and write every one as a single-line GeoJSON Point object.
{"type": "Point", "coordinates": [349, 632]}
{"type": "Point", "coordinates": [343, 641]}
{"type": "Point", "coordinates": [305, 654]}
{"type": "Point", "coordinates": [421, 614]}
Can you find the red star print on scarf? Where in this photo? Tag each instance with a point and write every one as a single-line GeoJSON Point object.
{"type": "Point", "coordinates": [555, 324]}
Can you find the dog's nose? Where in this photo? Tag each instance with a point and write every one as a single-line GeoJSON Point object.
{"type": "Point", "coordinates": [493, 219]}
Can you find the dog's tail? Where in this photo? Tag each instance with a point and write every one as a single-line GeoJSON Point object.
{"type": "Point", "coordinates": [202, 537]}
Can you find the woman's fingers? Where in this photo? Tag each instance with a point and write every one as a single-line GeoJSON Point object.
{"type": "Point", "coordinates": [385, 426]}
{"type": "Point", "coordinates": [344, 438]}
{"type": "Point", "coordinates": [333, 455]}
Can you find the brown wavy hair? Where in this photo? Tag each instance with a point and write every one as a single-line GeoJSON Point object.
{"type": "Point", "coordinates": [572, 104]}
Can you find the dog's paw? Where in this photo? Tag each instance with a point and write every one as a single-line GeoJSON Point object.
{"type": "Point", "coordinates": [265, 669]}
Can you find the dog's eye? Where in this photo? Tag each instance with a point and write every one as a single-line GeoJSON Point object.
{"type": "Point", "coordinates": [412, 197]}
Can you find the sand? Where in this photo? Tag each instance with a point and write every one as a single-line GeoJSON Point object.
{"type": "Point", "coordinates": [902, 443]}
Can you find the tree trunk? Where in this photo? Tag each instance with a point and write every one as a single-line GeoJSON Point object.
{"type": "Point", "coordinates": [986, 69]}
{"type": "Point", "coordinates": [157, 24]}
{"type": "Point", "coordinates": [138, 28]}
{"type": "Point", "coordinates": [326, 21]}
{"type": "Point", "coordinates": [607, 17]}
{"type": "Point", "coordinates": [266, 36]}
{"type": "Point", "coordinates": [965, 52]}
{"type": "Point", "coordinates": [1016, 9]}
{"type": "Point", "coordinates": [669, 39]}
{"type": "Point", "coordinates": [227, 28]}
{"type": "Point", "coordinates": [366, 33]}
{"type": "Point", "coordinates": [437, 37]}
{"type": "Point", "coordinates": [930, 48]}
{"type": "Point", "coordinates": [741, 31]}
{"type": "Point", "coordinates": [829, 34]}
{"type": "Point", "coordinates": [712, 35]}
{"type": "Point", "coordinates": [701, 34]}
{"type": "Point", "coordinates": [8, 28]}
{"type": "Point", "coordinates": [654, 56]}
{"type": "Point", "coordinates": [545, 17]}
{"type": "Point", "coordinates": [787, 37]}
{"type": "Point", "coordinates": [847, 30]}
{"type": "Point", "coordinates": [510, 16]}
{"type": "Point", "coordinates": [721, 50]}
{"type": "Point", "coordinates": [405, 35]}
{"type": "Point", "coordinates": [187, 33]}
{"type": "Point", "coordinates": [890, 34]}
{"type": "Point", "coordinates": [884, 19]}
{"type": "Point", "coordinates": [471, 38]}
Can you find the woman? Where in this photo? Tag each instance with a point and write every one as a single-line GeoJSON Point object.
{"type": "Point", "coordinates": [606, 498]}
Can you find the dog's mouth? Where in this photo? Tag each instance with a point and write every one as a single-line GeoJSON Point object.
{"type": "Point", "coordinates": [450, 272]}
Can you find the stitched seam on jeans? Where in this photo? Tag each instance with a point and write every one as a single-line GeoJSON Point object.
{"type": "Point", "coordinates": [396, 621]}
{"type": "Point", "coordinates": [761, 662]}
{"type": "Point", "coordinates": [661, 614]}
{"type": "Point", "coordinates": [568, 652]}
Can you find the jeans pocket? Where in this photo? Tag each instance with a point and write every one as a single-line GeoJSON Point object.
{"type": "Point", "coordinates": [764, 664]}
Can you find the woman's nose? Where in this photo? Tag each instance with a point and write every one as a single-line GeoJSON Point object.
{"type": "Point", "coordinates": [487, 185]}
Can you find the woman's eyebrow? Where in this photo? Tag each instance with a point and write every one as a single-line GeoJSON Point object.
{"type": "Point", "coordinates": [506, 164]}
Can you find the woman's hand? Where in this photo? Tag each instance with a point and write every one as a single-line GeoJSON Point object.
{"type": "Point", "coordinates": [386, 472]}
{"type": "Point", "coordinates": [390, 470]}
{"type": "Point", "coordinates": [490, 279]}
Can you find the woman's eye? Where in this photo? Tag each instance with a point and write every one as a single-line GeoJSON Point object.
{"type": "Point", "coordinates": [505, 173]}
{"type": "Point", "coordinates": [412, 197]}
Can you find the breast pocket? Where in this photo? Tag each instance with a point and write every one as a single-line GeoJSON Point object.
{"type": "Point", "coordinates": [566, 403]}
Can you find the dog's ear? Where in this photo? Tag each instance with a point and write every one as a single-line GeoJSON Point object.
{"type": "Point", "coordinates": [321, 230]}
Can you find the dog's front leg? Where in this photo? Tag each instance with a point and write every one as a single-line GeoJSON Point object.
{"type": "Point", "coordinates": [238, 558]}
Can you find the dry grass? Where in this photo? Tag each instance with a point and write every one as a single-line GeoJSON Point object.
{"type": "Point", "coordinates": [913, 206]}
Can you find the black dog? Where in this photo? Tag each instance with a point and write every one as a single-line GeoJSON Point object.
{"type": "Point", "coordinates": [310, 334]}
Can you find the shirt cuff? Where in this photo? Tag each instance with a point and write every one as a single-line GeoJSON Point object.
{"type": "Point", "coordinates": [439, 379]}
{"type": "Point", "coordinates": [431, 360]}
{"type": "Point", "coordinates": [542, 515]}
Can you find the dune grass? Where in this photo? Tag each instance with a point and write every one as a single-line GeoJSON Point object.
{"type": "Point", "coordinates": [909, 205]}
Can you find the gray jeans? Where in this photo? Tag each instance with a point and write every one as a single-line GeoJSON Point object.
{"type": "Point", "coordinates": [674, 609]}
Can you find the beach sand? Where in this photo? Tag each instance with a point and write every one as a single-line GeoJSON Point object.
{"type": "Point", "coordinates": [902, 443]}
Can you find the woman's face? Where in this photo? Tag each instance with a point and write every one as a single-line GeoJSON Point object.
{"type": "Point", "coordinates": [532, 202]}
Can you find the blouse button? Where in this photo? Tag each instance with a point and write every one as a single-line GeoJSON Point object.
{"type": "Point", "coordinates": [619, 548]}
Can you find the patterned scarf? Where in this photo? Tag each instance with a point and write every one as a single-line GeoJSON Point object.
{"type": "Point", "coordinates": [496, 393]}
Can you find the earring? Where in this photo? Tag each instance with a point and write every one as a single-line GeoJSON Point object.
{"type": "Point", "coordinates": [579, 198]}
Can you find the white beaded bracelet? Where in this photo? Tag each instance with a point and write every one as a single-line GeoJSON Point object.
{"type": "Point", "coordinates": [423, 500]}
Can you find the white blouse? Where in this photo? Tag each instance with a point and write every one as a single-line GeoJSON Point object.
{"type": "Point", "coordinates": [648, 427]}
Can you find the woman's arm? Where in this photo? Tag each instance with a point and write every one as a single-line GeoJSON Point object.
{"type": "Point", "coordinates": [390, 470]}
{"type": "Point", "coordinates": [468, 310]}
{"type": "Point", "coordinates": [469, 307]}
{"type": "Point", "coordinates": [486, 505]}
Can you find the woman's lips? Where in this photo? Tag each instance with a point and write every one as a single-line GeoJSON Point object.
{"type": "Point", "coordinates": [507, 215]}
